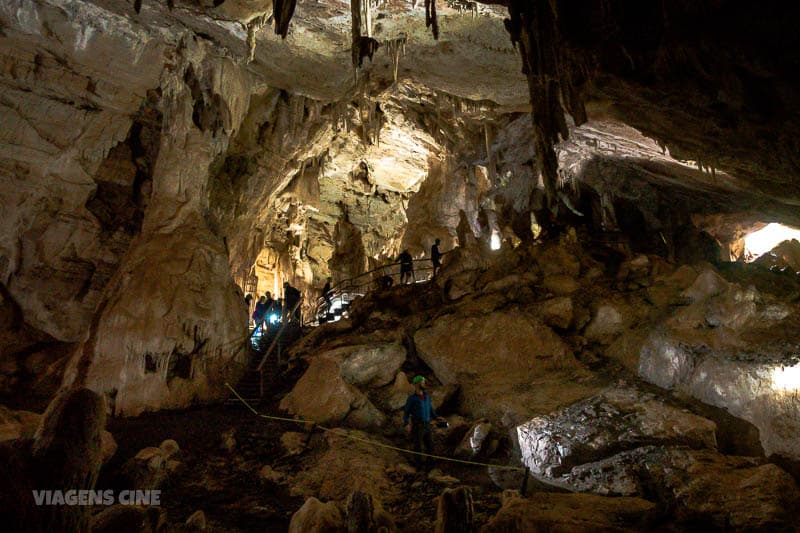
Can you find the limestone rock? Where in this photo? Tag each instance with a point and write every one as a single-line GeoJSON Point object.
{"type": "Point", "coordinates": [318, 517]}
{"type": "Point", "coordinates": [559, 259]}
{"type": "Point", "coordinates": [18, 424]}
{"type": "Point", "coordinates": [372, 365]}
{"type": "Point", "coordinates": [496, 359]}
{"type": "Point", "coordinates": [348, 465]}
{"type": "Point", "coordinates": [572, 512]}
{"type": "Point", "coordinates": [108, 446]}
{"type": "Point", "coordinates": [438, 476]}
{"type": "Point", "coordinates": [321, 394]}
{"type": "Point", "coordinates": [454, 511]}
{"type": "Point", "coordinates": [700, 485]}
{"type": "Point", "coordinates": [399, 392]}
{"type": "Point", "coordinates": [617, 418]}
{"type": "Point", "coordinates": [197, 521]}
{"type": "Point", "coordinates": [635, 272]}
{"type": "Point", "coordinates": [560, 284]}
{"type": "Point", "coordinates": [444, 395]}
{"type": "Point", "coordinates": [170, 448]}
{"type": "Point", "coordinates": [557, 312]}
{"type": "Point", "coordinates": [607, 323]}
{"type": "Point", "coordinates": [293, 443]}
{"type": "Point", "coordinates": [268, 473]}
{"type": "Point", "coordinates": [227, 441]}
{"type": "Point", "coordinates": [473, 442]}
{"type": "Point", "coordinates": [757, 385]}
{"type": "Point", "coordinates": [66, 452]}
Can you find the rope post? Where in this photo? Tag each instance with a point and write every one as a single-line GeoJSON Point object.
{"type": "Point", "coordinates": [524, 488]}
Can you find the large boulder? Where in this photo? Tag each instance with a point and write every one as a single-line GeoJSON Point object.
{"type": "Point", "coordinates": [701, 486]}
{"type": "Point", "coordinates": [322, 395]}
{"type": "Point", "coordinates": [757, 383]}
{"type": "Point", "coordinates": [371, 365]}
{"type": "Point", "coordinates": [547, 512]}
{"type": "Point", "coordinates": [733, 348]}
{"type": "Point", "coordinates": [509, 365]}
{"type": "Point", "coordinates": [616, 419]}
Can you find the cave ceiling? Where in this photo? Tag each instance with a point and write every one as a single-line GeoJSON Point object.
{"type": "Point", "coordinates": [701, 78]}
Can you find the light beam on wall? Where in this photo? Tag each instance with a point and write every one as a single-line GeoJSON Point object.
{"type": "Point", "coordinates": [762, 241]}
{"type": "Point", "coordinates": [494, 242]}
{"type": "Point", "coordinates": [786, 378]}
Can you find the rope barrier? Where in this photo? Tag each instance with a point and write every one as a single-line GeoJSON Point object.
{"type": "Point", "coordinates": [343, 433]}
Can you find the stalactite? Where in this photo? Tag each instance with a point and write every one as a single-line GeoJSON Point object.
{"type": "Point", "coordinates": [252, 28]}
{"type": "Point", "coordinates": [430, 18]}
{"type": "Point", "coordinates": [355, 33]}
{"type": "Point", "coordinates": [395, 48]}
{"type": "Point", "coordinates": [556, 81]}
{"type": "Point", "coordinates": [282, 12]}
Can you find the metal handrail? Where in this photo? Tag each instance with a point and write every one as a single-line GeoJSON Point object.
{"type": "Point", "coordinates": [347, 285]}
{"type": "Point", "coordinates": [278, 335]}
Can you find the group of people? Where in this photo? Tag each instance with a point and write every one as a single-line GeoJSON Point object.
{"type": "Point", "coordinates": [407, 263]}
{"type": "Point", "coordinates": [271, 311]}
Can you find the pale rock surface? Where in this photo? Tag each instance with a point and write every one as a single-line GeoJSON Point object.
{"type": "Point", "coordinates": [509, 366]}
{"type": "Point", "coordinates": [606, 324]}
{"type": "Point", "coordinates": [572, 512]}
{"type": "Point", "coordinates": [732, 348]}
{"type": "Point", "coordinates": [322, 395]}
{"type": "Point", "coordinates": [317, 517]}
{"type": "Point", "coordinates": [371, 365]}
{"type": "Point", "coordinates": [617, 418]}
{"type": "Point", "coordinates": [474, 440]}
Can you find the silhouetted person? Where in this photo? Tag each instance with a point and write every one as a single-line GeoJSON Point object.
{"type": "Point", "coordinates": [406, 266]}
{"type": "Point", "coordinates": [326, 292]}
{"type": "Point", "coordinates": [260, 313]}
{"type": "Point", "coordinates": [385, 282]}
{"type": "Point", "coordinates": [291, 297]}
{"type": "Point", "coordinates": [417, 415]}
{"type": "Point", "coordinates": [436, 257]}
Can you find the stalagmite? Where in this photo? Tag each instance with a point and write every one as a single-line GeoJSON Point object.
{"type": "Point", "coordinates": [454, 513]}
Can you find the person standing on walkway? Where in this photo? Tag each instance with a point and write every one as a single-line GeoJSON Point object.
{"type": "Point", "coordinates": [436, 257]}
{"type": "Point", "coordinates": [406, 266]}
{"type": "Point", "coordinates": [291, 297]}
{"type": "Point", "coordinates": [326, 293]}
{"type": "Point", "coordinates": [417, 416]}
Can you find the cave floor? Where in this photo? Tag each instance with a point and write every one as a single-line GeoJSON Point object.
{"type": "Point", "coordinates": [227, 486]}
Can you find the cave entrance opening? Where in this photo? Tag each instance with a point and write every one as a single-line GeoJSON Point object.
{"type": "Point", "coordinates": [767, 238]}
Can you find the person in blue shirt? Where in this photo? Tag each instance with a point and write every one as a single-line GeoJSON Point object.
{"type": "Point", "coordinates": [417, 416]}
